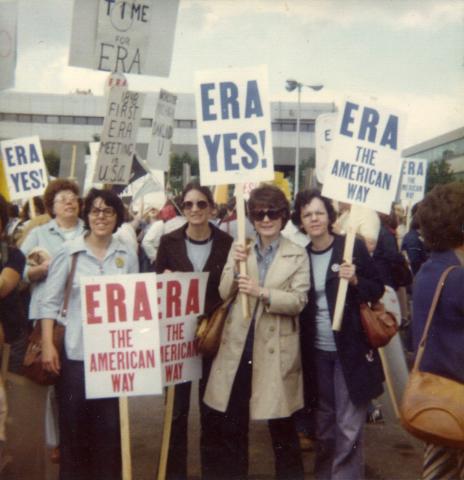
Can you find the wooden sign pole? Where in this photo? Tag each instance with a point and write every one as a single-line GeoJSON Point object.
{"type": "Point", "coordinates": [240, 207]}
{"type": "Point", "coordinates": [166, 432]}
{"type": "Point", "coordinates": [125, 438]}
{"type": "Point", "coordinates": [32, 210]}
{"type": "Point", "coordinates": [72, 170]}
{"type": "Point", "coordinates": [389, 382]}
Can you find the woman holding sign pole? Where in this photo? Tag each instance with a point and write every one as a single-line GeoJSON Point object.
{"type": "Point", "coordinates": [341, 371]}
{"type": "Point", "coordinates": [90, 438]}
{"type": "Point", "coordinates": [198, 246]}
{"type": "Point", "coordinates": [257, 371]}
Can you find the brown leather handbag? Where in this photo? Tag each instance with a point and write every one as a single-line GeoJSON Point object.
{"type": "Point", "coordinates": [32, 363]}
{"type": "Point", "coordinates": [379, 325]}
{"type": "Point", "coordinates": [433, 406]}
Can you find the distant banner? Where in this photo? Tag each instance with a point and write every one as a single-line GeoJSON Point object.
{"type": "Point", "coordinates": [24, 167]}
{"type": "Point", "coordinates": [413, 178]}
{"type": "Point", "coordinates": [121, 335]}
{"type": "Point", "coordinates": [234, 126]}
{"type": "Point", "coordinates": [162, 132]}
{"type": "Point", "coordinates": [126, 36]}
{"type": "Point", "coordinates": [119, 135]}
{"type": "Point", "coordinates": [181, 298]}
{"type": "Point", "coordinates": [365, 161]}
{"type": "Point", "coordinates": [325, 125]}
{"type": "Point", "coordinates": [8, 43]}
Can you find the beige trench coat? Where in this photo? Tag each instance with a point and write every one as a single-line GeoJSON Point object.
{"type": "Point", "coordinates": [277, 384]}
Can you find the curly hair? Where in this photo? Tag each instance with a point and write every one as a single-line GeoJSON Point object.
{"type": "Point", "coordinates": [305, 198]}
{"type": "Point", "coordinates": [441, 217]}
{"type": "Point", "coordinates": [56, 186]}
{"type": "Point", "coordinates": [111, 199]}
{"type": "Point", "coordinates": [270, 196]}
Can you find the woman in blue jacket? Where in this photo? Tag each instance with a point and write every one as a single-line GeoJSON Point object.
{"type": "Point", "coordinates": [341, 371]}
{"type": "Point", "coordinates": [441, 219]}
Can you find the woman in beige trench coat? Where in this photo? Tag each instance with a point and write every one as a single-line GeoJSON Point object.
{"type": "Point", "coordinates": [257, 371]}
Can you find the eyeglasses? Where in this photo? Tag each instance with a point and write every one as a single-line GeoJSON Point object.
{"type": "Point", "coordinates": [63, 198]}
{"type": "Point", "coordinates": [106, 212]}
{"type": "Point", "coordinates": [201, 204]}
{"type": "Point", "coordinates": [314, 214]}
{"type": "Point", "coordinates": [271, 213]}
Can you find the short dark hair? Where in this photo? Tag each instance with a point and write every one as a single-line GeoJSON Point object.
{"type": "Point", "coordinates": [3, 213]}
{"type": "Point", "coordinates": [304, 198]}
{"type": "Point", "coordinates": [202, 189]}
{"type": "Point", "coordinates": [269, 196]}
{"type": "Point", "coordinates": [441, 217]}
{"type": "Point", "coordinates": [56, 186]}
{"type": "Point", "coordinates": [111, 199]}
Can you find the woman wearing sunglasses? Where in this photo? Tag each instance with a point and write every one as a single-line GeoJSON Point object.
{"type": "Point", "coordinates": [198, 246]}
{"type": "Point", "coordinates": [89, 429]}
{"type": "Point", "coordinates": [257, 371]}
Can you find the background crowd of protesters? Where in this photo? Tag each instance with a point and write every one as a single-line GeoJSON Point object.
{"type": "Point", "coordinates": [282, 362]}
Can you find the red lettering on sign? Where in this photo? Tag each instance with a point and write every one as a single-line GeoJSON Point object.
{"type": "Point", "coordinates": [173, 303]}
{"type": "Point", "coordinates": [92, 304]}
{"type": "Point", "coordinates": [193, 299]}
{"type": "Point", "coordinates": [115, 297]}
{"type": "Point", "coordinates": [141, 302]}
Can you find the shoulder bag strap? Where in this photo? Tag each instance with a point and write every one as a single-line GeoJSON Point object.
{"type": "Point", "coordinates": [441, 283]}
{"type": "Point", "coordinates": [68, 286]}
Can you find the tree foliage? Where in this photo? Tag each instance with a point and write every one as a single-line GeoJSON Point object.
{"type": "Point", "coordinates": [176, 169]}
{"type": "Point", "coordinates": [52, 161]}
{"type": "Point", "coordinates": [439, 172]}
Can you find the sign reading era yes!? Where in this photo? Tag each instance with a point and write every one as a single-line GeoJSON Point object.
{"type": "Point", "coordinates": [364, 161]}
{"type": "Point", "coordinates": [413, 178]}
{"type": "Point", "coordinates": [234, 126]}
{"type": "Point", "coordinates": [24, 167]}
{"type": "Point", "coordinates": [119, 135]}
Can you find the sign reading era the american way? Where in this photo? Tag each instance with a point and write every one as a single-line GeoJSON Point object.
{"type": "Point", "coordinates": [234, 126]}
{"type": "Point", "coordinates": [162, 131]}
{"type": "Point", "coordinates": [118, 139]}
{"type": "Point", "coordinates": [121, 335]}
{"type": "Point", "coordinates": [325, 125]}
{"type": "Point", "coordinates": [365, 162]}
{"type": "Point", "coordinates": [181, 298]}
{"type": "Point", "coordinates": [413, 176]}
{"type": "Point", "coordinates": [24, 167]}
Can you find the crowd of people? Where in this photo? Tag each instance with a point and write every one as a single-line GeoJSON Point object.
{"type": "Point", "coordinates": [282, 362]}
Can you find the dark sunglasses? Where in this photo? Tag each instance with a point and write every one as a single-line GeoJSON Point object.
{"type": "Point", "coordinates": [201, 204]}
{"type": "Point", "coordinates": [271, 213]}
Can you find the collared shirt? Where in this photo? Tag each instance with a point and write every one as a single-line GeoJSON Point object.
{"type": "Point", "coordinates": [265, 256]}
{"type": "Point", "coordinates": [119, 259]}
{"type": "Point", "coordinates": [49, 237]}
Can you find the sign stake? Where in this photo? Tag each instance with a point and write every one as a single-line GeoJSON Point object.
{"type": "Point", "coordinates": [240, 206]}
{"type": "Point", "coordinates": [170, 393]}
{"type": "Point", "coordinates": [125, 438]}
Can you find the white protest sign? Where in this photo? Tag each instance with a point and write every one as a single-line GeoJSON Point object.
{"type": "Point", "coordinates": [325, 125]}
{"type": "Point", "coordinates": [365, 162]}
{"type": "Point", "coordinates": [234, 126]}
{"type": "Point", "coordinates": [413, 176]}
{"type": "Point", "coordinates": [24, 167]}
{"type": "Point", "coordinates": [8, 43]}
{"type": "Point", "coordinates": [118, 139]}
{"type": "Point", "coordinates": [127, 36]}
{"type": "Point", "coordinates": [181, 298]}
{"type": "Point", "coordinates": [90, 162]}
{"type": "Point", "coordinates": [121, 335]}
{"type": "Point", "coordinates": [162, 132]}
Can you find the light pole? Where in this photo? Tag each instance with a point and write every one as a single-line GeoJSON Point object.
{"type": "Point", "coordinates": [290, 86]}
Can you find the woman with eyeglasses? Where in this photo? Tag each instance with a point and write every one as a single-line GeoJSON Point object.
{"type": "Point", "coordinates": [197, 246]}
{"type": "Point", "coordinates": [257, 372]}
{"type": "Point", "coordinates": [89, 429]}
{"type": "Point", "coordinates": [342, 373]}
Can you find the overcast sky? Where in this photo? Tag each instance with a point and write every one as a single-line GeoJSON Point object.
{"type": "Point", "coordinates": [407, 54]}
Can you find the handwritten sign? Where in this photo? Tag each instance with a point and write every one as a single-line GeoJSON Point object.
{"type": "Point", "coordinates": [365, 162]}
{"type": "Point", "coordinates": [162, 132]}
{"type": "Point", "coordinates": [234, 126]}
{"type": "Point", "coordinates": [181, 298]}
{"type": "Point", "coordinates": [118, 139]}
{"type": "Point", "coordinates": [413, 178]}
{"type": "Point", "coordinates": [121, 335]}
{"type": "Point", "coordinates": [24, 167]}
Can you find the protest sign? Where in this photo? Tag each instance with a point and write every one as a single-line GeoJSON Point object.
{"type": "Point", "coordinates": [181, 298]}
{"type": "Point", "coordinates": [8, 43]}
{"type": "Point", "coordinates": [121, 335]}
{"type": "Point", "coordinates": [412, 185]}
{"type": "Point", "coordinates": [162, 132]}
{"type": "Point", "coordinates": [365, 162]}
{"type": "Point", "coordinates": [127, 36]}
{"type": "Point", "coordinates": [234, 126]}
{"type": "Point", "coordinates": [118, 139]}
{"type": "Point", "coordinates": [24, 167]}
{"type": "Point", "coordinates": [90, 162]}
{"type": "Point", "coordinates": [325, 125]}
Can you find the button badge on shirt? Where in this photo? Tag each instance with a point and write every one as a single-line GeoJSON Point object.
{"type": "Point", "coordinates": [119, 262]}
{"type": "Point", "coordinates": [335, 267]}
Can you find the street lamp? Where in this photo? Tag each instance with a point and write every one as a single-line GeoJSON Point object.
{"type": "Point", "coordinates": [290, 86]}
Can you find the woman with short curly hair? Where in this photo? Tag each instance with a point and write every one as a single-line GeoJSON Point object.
{"type": "Point", "coordinates": [441, 219]}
